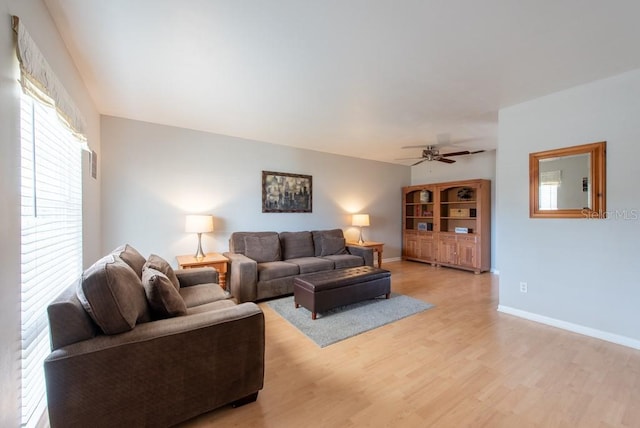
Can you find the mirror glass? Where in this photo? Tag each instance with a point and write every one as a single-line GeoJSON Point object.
{"type": "Point", "coordinates": [564, 182]}
{"type": "Point", "coordinates": [568, 182]}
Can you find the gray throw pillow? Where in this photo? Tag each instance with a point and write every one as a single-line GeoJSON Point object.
{"type": "Point", "coordinates": [112, 294]}
{"type": "Point", "coordinates": [332, 246]}
{"type": "Point", "coordinates": [160, 264]}
{"type": "Point", "coordinates": [132, 257]}
{"type": "Point", "coordinates": [165, 301]}
{"type": "Point", "coordinates": [262, 249]}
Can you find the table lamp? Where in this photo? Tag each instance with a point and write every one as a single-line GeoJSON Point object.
{"type": "Point", "coordinates": [199, 224]}
{"type": "Point", "coordinates": [360, 220]}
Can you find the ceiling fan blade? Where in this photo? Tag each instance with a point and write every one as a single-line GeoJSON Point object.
{"type": "Point", "coordinates": [445, 160]}
{"type": "Point", "coordinates": [419, 162]}
{"type": "Point", "coordinates": [414, 158]}
{"type": "Point", "coordinates": [464, 152]}
{"type": "Point", "coordinates": [420, 146]}
{"type": "Point", "coordinates": [477, 151]}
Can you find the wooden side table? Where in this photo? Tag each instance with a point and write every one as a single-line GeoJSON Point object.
{"type": "Point", "coordinates": [214, 260]}
{"type": "Point", "coordinates": [377, 247]}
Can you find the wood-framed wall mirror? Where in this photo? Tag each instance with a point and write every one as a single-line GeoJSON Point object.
{"type": "Point", "coordinates": [568, 182]}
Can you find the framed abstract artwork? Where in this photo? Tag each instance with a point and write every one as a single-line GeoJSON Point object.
{"type": "Point", "coordinates": [286, 193]}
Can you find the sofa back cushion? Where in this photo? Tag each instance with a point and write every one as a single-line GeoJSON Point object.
{"type": "Point", "coordinates": [132, 257]}
{"type": "Point", "coordinates": [262, 248]}
{"type": "Point", "coordinates": [319, 234]}
{"type": "Point", "coordinates": [237, 240]}
{"type": "Point", "coordinates": [330, 246]}
{"type": "Point", "coordinates": [296, 244]}
{"type": "Point", "coordinates": [112, 294]}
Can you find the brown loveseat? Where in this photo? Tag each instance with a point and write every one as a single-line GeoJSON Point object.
{"type": "Point", "coordinates": [264, 264]}
{"type": "Point", "coordinates": [135, 343]}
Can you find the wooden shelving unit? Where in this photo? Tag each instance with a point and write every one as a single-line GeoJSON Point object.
{"type": "Point", "coordinates": [448, 224]}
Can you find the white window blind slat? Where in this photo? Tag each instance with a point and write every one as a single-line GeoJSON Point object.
{"type": "Point", "coordinates": [51, 237]}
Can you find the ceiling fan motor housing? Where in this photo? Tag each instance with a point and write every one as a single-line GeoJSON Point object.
{"type": "Point", "coordinates": [430, 153]}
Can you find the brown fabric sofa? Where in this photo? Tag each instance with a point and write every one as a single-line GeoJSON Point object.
{"type": "Point", "coordinates": [264, 264]}
{"type": "Point", "coordinates": [135, 343]}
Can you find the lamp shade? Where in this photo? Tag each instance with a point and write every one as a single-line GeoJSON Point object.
{"type": "Point", "coordinates": [199, 224]}
{"type": "Point", "coordinates": [360, 220]}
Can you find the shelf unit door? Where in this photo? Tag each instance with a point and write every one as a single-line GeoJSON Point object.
{"type": "Point", "coordinates": [411, 245]}
{"type": "Point", "coordinates": [467, 254]}
{"type": "Point", "coordinates": [427, 248]}
{"type": "Point", "coordinates": [447, 250]}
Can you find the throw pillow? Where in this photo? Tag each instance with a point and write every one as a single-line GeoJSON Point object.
{"type": "Point", "coordinates": [160, 264]}
{"type": "Point", "coordinates": [132, 257]}
{"type": "Point", "coordinates": [165, 301]}
{"type": "Point", "coordinates": [112, 294]}
{"type": "Point", "coordinates": [332, 246]}
{"type": "Point", "coordinates": [262, 249]}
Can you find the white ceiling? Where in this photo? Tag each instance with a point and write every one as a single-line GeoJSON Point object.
{"type": "Point", "coordinates": [354, 77]}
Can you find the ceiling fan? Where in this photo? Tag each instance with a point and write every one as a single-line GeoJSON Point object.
{"type": "Point", "coordinates": [432, 153]}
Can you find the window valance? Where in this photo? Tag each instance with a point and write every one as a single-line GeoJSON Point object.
{"type": "Point", "coordinates": [39, 81]}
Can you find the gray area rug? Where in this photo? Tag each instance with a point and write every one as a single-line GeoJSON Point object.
{"type": "Point", "coordinates": [346, 321]}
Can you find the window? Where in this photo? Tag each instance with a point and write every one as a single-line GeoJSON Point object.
{"type": "Point", "coordinates": [549, 183]}
{"type": "Point", "coordinates": [51, 241]}
{"type": "Point", "coordinates": [548, 196]}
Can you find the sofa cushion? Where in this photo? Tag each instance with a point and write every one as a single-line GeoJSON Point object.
{"type": "Point", "coordinates": [331, 245]}
{"type": "Point", "coordinates": [112, 294]}
{"type": "Point", "coordinates": [342, 261]}
{"type": "Point", "coordinates": [274, 270]}
{"type": "Point", "coordinates": [211, 306]}
{"type": "Point", "coordinates": [160, 264]}
{"type": "Point", "coordinates": [201, 294]}
{"type": "Point", "coordinates": [165, 301]}
{"type": "Point", "coordinates": [317, 238]}
{"type": "Point", "coordinates": [262, 248]}
{"type": "Point", "coordinates": [132, 257]}
{"type": "Point", "coordinates": [236, 240]}
{"type": "Point", "coordinates": [312, 264]}
{"type": "Point", "coordinates": [296, 245]}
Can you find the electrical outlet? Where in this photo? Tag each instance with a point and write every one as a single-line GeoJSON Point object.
{"type": "Point", "coordinates": [523, 287]}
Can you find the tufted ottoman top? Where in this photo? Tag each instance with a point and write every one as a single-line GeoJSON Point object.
{"type": "Point", "coordinates": [327, 280]}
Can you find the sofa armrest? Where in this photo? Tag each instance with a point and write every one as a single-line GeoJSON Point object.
{"type": "Point", "coordinates": [196, 276]}
{"type": "Point", "coordinates": [196, 363]}
{"type": "Point", "coordinates": [365, 253]}
{"type": "Point", "coordinates": [242, 277]}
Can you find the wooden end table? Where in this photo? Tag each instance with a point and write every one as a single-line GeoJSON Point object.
{"type": "Point", "coordinates": [214, 260]}
{"type": "Point", "coordinates": [377, 247]}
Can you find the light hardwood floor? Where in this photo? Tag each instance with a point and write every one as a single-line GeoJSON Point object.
{"type": "Point", "coordinates": [459, 364]}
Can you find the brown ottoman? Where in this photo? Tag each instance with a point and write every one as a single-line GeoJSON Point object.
{"type": "Point", "coordinates": [321, 291]}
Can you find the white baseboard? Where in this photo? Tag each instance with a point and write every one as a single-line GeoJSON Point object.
{"type": "Point", "coordinates": [392, 259]}
{"type": "Point", "coordinates": [576, 328]}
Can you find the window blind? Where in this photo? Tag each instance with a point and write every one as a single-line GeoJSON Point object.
{"type": "Point", "coordinates": [51, 237]}
{"type": "Point", "coordinates": [551, 177]}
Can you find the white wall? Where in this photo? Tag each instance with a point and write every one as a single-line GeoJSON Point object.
{"type": "Point", "coordinates": [480, 165]}
{"type": "Point", "coordinates": [155, 174]}
{"type": "Point", "coordinates": [35, 16]}
{"type": "Point", "coordinates": [581, 274]}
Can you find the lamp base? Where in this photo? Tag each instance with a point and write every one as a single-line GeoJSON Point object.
{"type": "Point", "coordinates": [360, 238]}
{"type": "Point", "coordinates": [199, 254]}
